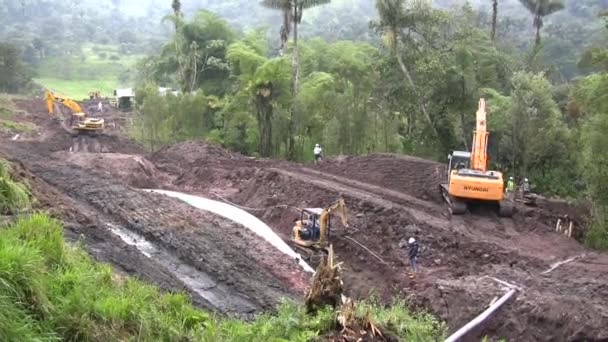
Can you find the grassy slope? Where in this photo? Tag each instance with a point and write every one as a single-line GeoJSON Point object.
{"type": "Point", "coordinates": [51, 291]}
{"type": "Point", "coordinates": [75, 76]}
{"type": "Point", "coordinates": [7, 114]}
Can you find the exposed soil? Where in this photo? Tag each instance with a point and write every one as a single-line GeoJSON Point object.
{"type": "Point", "coordinates": [252, 273]}
{"type": "Point", "coordinates": [389, 197]}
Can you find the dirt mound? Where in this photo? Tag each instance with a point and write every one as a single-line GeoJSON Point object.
{"type": "Point", "coordinates": [192, 153]}
{"type": "Point", "coordinates": [414, 176]}
{"type": "Point", "coordinates": [130, 169]}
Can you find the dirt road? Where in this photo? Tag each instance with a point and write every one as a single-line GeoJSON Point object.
{"type": "Point", "coordinates": [465, 261]}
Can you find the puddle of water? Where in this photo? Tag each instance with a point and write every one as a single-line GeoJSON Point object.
{"type": "Point", "coordinates": [201, 283]}
{"type": "Point", "coordinates": [239, 216]}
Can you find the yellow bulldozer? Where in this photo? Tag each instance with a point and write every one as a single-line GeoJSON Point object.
{"type": "Point", "coordinates": [311, 232]}
{"type": "Point", "coordinates": [469, 179]}
{"type": "Point", "coordinates": [79, 122]}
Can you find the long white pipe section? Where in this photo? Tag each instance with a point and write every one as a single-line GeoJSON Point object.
{"type": "Point", "coordinates": [479, 319]}
{"type": "Point", "coordinates": [239, 216]}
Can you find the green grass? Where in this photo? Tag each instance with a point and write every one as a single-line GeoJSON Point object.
{"type": "Point", "coordinates": [7, 106]}
{"type": "Point", "coordinates": [8, 111]}
{"type": "Point", "coordinates": [76, 76]}
{"type": "Point", "coordinates": [79, 89]}
{"type": "Point", "coordinates": [17, 126]}
{"type": "Point", "coordinates": [14, 196]}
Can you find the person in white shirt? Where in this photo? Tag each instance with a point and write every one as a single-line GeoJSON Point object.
{"type": "Point", "coordinates": [317, 152]}
{"type": "Point", "coordinates": [99, 106]}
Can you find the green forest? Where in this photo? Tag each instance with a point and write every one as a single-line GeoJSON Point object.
{"type": "Point", "coordinates": [271, 78]}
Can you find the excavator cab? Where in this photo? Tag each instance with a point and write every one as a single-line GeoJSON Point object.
{"type": "Point", "coordinates": [468, 178]}
{"type": "Point", "coordinates": [458, 160]}
{"type": "Point", "coordinates": [313, 227]}
{"type": "Point", "coordinates": [308, 228]}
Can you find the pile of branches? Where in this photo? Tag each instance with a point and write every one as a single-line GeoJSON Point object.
{"type": "Point", "coordinates": [327, 289]}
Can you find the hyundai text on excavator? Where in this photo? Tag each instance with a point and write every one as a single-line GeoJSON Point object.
{"type": "Point", "coordinates": [469, 180]}
{"type": "Point", "coordinates": [311, 231]}
{"type": "Point", "coordinates": [79, 122]}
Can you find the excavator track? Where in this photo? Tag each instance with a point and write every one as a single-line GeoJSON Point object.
{"type": "Point", "coordinates": [312, 255]}
{"type": "Point", "coordinates": [457, 206]}
{"type": "Point", "coordinates": [506, 208]}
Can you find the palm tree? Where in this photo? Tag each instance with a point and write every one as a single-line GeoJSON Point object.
{"type": "Point", "coordinates": [494, 18]}
{"type": "Point", "coordinates": [292, 15]}
{"type": "Point", "coordinates": [541, 9]}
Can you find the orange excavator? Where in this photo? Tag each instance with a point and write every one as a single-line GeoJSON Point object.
{"type": "Point", "coordinates": [79, 122]}
{"type": "Point", "coordinates": [469, 179]}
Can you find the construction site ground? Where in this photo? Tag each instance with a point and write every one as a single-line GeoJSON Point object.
{"type": "Point", "coordinates": [466, 261]}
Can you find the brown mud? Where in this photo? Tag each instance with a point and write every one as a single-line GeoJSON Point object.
{"type": "Point", "coordinates": [465, 261]}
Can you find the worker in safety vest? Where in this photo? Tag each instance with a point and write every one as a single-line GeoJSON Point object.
{"type": "Point", "coordinates": [510, 185]}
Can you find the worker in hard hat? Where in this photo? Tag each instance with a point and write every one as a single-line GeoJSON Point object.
{"type": "Point", "coordinates": [510, 185]}
{"type": "Point", "coordinates": [413, 248]}
{"type": "Point", "coordinates": [317, 151]}
{"type": "Point", "coordinates": [525, 186]}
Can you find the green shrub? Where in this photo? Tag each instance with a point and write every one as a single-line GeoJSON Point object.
{"type": "Point", "coordinates": [597, 235]}
{"type": "Point", "coordinates": [400, 320]}
{"type": "Point", "coordinates": [13, 196]}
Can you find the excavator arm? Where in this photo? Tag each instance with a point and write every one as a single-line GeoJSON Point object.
{"type": "Point", "coordinates": [339, 207]}
{"type": "Point", "coordinates": [79, 120]}
{"type": "Point", "coordinates": [51, 96]}
{"type": "Point", "coordinates": [479, 148]}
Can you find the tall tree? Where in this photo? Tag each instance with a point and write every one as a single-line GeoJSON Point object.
{"type": "Point", "coordinates": [14, 74]}
{"type": "Point", "coordinates": [292, 14]}
{"type": "Point", "coordinates": [540, 9]}
{"type": "Point", "coordinates": [494, 18]}
{"type": "Point", "coordinates": [394, 19]}
{"type": "Point", "coordinates": [177, 23]}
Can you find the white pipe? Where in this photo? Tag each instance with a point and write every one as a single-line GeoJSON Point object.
{"type": "Point", "coordinates": [559, 263]}
{"type": "Point", "coordinates": [479, 319]}
{"type": "Point", "coordinates": [239, 216]}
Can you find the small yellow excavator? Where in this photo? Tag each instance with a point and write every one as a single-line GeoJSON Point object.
{"type": "Point", "coordinates": [312, 229]}
{"type": "Point", "coordinates": [79, 122]}
{"type": "Point", "coordinates": [469, 179]}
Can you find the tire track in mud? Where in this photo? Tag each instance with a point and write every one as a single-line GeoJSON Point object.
{"type": "Point", "coordinates": [423, 214]}
{"type": "Point", "coordinates": [392, 195]}
{"type": "Point", "coordinates": [483, 227]}
{"type": "Point", "coordinates": [252, 270]}
{"type": "Point", "coordinates": [416, 215]}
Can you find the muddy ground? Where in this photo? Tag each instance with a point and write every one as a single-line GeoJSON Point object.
{"type": "Point", "coordinates": [389, 198]}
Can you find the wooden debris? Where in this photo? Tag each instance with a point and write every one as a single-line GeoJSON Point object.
{"type": "Point", "coordinates": [326, 288]}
